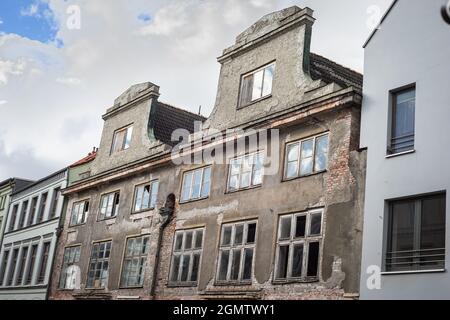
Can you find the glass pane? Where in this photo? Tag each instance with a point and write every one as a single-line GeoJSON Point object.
{"type": "Point", "coordinates": [146, 198]}
{"type": "Point", "coordinates": [245, 180]}
{"type": "Point", "coordinates": [154, 195]}
{"type": "Point", "coordinates": [234, 182]}
{"type": "Point", "coordinates": [198, 239]}
{"type": "Point", "coordinates": [197, 184]}
{"type": "Point", "coordinates": [178, 241]}
{"type": "Point", "coordinates": [185, 267]}
{"type": "Point", "coordinates": [246, 90]}
{"type": "Point", "coordinates": [206, 182]}
{"type": "Point", "coordinates": [138, 201]}
{"type": "Point", "coordinates": [306, 166]}
{"type": "Point", "coordinates": [297, 260]}
{"type": "Point", "coordinates": [316, 224]}
{"type": "Point", "coordinates": [236, 166]}
{"type": "Point", "coordinates": [251, 233]}
{"type": "Point", "coordinates": [226, 238]}
{"type": "Point", "coordinates": [188, 240]}
{"type": "Point", "coordinates": [402, 226]}
{"type": "Point", "coordinates": [128, 137]}
{"type": "Point", "coordinates": [307, 149]}
{"type": "Point", "coordinates": [268, 79]}
{"type": "Point", "coordinates": [292, 152]}
{"type": "Point", "coordinates": [321, 153]}
{"type": "Point", "coordinates": [238, 234]}
{"type": "Point", "coordinates": [186, 186]}
{"type": "Point", "coordinates": [248, 262]}
{"type": "Point", "coordinates": [257, 177]}
{"type": "Point", "coordinates": [195, 266]}
{"type": "Point", "coordinates": [283, 257]}
{"type": "Point", "coordinates": [404, 116]}
{"type": "Point", "coordinates": [313, 259]}
{"type": "Point", "coordinates": [235, 267]}
{"type": "Point", "coordinates": [292, 169]}
{"type": "Point", "coordinates": [321, 162]}
{"type": "Point", "coordinates": [175, 268]}
{"type": "Point", "coordinates": [224, 257]}
{"type": "Point", "coordinates": [257, 85]}
{"type": "Point", "coordinates": [285, 230]}
{"type": "Point", "coordinates": [300, 225]}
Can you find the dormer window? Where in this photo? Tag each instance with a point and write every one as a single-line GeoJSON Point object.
{"type": "Point", "coordinates": [256, 85]}
{"type": "Point", "coordinates": [122, 139]}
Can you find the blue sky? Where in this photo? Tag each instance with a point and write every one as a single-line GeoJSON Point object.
{"type": "Point", "coordinates": [19, 17]}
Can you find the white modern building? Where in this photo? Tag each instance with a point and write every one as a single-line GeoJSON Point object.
{"type": "Point", "coordinates": [405, 121]}
{"type": "Point", "coordinates": [30, 238]}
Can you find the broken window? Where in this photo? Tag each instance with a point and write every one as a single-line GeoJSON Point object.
{"type": "Point", "coordinates": [186, 257]}
{"type": "Point", "coordinates": [70, 270]}
{"type": "Point", "coordinates": [256, 85]}
{"type": "Point", "coordinates": [99, 265]}
{"type": "Point", "coordinates": [42, 206]}
{"type": "Point", "coordinates": [3, 266]}
{"type": "Point", "coordinates": [122, 139]}
{"type": "Point", "coordinates": [12, 222]}
{"type": "Point", "coordinates": [416, 234]}
{"type": "Point", "coordinates": [109, 204]}
{"type": "Point", "coordinates": [245, 172]}
{"type": "Point", "coordinates": [298, 246]}
{"type": "Point", "coordinates": [21, 269]}
{"type": "Point", "coordinates": [23, 214]}
{"type": "Point", "coordinates": [237, 245]}
{"type": "Point", "coordinates": [44, 262]}
{"type": "Point", "coordinates": [306, 157]}
{"type": "Point", "coordinates": [32, 213]}
{"type": "Point", "coordinates": [402, 121]}
{"type": "Point", "coordinates": [145, 196]}
{"type": "Point", "coordinates": [30, 267]}
{"type": "Point", "coordinates": [135, 262]}
{"type": "Point", "coordinates": [196, 184]}
{"type": "Point", "coordinates": [54, 204]}
{"type": "Point", "coordinates": [80, 211]}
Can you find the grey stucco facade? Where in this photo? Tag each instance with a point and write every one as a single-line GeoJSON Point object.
{"type": "Point", "coordinates": [411, 48]}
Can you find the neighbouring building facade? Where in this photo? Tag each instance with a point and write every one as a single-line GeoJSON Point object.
{"type": "Point", "coordinates": [30, 238]}
{"type": "Point", "coordinates": [144, 226]}
{"type": "Point", "coordinates": [404, 126]}
{"type": "Point", "coordinates": [7, 187]}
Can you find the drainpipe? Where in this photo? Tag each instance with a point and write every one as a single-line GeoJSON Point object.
{"type": "Point", "coordinates": [166, 213]}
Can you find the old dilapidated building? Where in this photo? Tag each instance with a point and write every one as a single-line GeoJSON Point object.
{"type": "Point", "coordinates": [280, 219]}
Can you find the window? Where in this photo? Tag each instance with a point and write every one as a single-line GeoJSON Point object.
{"type": "Point", "coordinates": [99, 264]}
{"type": "Point", "coordinates": [12, 267]}
{"type": "Point", "coordinates": [80, 211]}
{"type": "Point", "coordinates": [42, 206]}
{"type": "Point", "coordinates": [30, 268]}
{"type": "Point", "coordinates": [122, 139]}
{"type": "Point", "coordinates": [186, 257]}
{"type": "Point", "coordinates": [298, 246]}
{"type": "Point", "coordinates": [69, 270]}
{"type": "Point", "coordinates": [237, 246]}
{"type": "Point", "coordinates": [32, 211]}
{"type": "Point", "coordinates": [23, 261]}
{"type": "Point", "coordinates": [23, 214]}
{"type": "Point", "coordinates": [2, 202]}
{"type": "Point", "coordinates": [4, 266]}
{"type": "Point", "coordinates": [55, 198]}
{"type": "Point", "coordinates": [256, 85]}
{"type": "Point", "coordinates": [416, 234]}
{"type": "Point", "coordinates": [402, 121]}
{"type": "Point", "coordinates": [306, 157]}
{"type": "Point", "coordinates": [196, 184]}
{"type": "Point", "coordinates": [245, 172]}
{"type": "Point", "coordinates": [44, 262]}
{"type": "Point", "coordinates": [108, 205]}
{"type": "Point", "coordinates": [145, 196]}
{"type": "Point", "coordinates": [135, 262]}
{"type": "Point", "coordinates": [13, 217]}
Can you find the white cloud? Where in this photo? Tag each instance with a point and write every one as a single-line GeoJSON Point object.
{"type": "Point", "coordinates": [2, 102]}
{"type": "Point", "coordinates": [56, 96]}
{"type": "Point", "coordinates": [1, 21]}
{"type": "Point", "coordinates": [30, 11]}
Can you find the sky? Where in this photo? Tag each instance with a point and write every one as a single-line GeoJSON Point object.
{"type": "Point", "coordinates": [63, 62]}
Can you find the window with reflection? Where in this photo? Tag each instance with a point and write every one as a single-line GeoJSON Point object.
{"type": "Point", "coordinates": [256, 85]}
{"type": "Point", "coordinates": [122, 139]}
{"type": "Point", "coordinates": [402, 121]}
{"type": "Point", "coordinates": [245, 172]}
{"type": "Point", "coordinates": [196, 184]}
{"type": "Point", "coordinates": [145, 196]}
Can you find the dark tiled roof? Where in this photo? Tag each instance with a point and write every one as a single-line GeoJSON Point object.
{"type": "Point", "coordinates": [168, 118]}
{"type": "Point", "coordinates": [329, 71]}
{"type": "Point", "coordinates": [17, 183]}
{"type": "Point", "coordinates": [90, 157]}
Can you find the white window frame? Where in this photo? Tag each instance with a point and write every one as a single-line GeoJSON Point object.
{"type": "Point", "coordinates": [231, 247]}
{"type": "Point", "coordinates": [305, 241]}
{"type": "Point", "coordinates": [114, 206]}
{"type": "Point", "coordinates": [153, 195]}
{"type": "Point", "coordinates": [97, 260]}
{"type": "Point", "coordinates": [81, 205]}
{"type": "Point", "coordinates": [242, 159]}
{"type": "Point", "coordinates": [191, 186]}
{"type": "Point", "coordinates": [183, 252]}
{"type": "Point", "coordinates": [299, 158]}
{"type": "Point", "coordinates": [124, 279]}
{"type": "Point", "coordinates": [126, 142]}
{"type": "Point", "coordinates": [65, 276]}
{"type": "Point", "coordinates": [262, 96]}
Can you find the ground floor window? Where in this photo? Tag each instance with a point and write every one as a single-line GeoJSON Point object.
{"type": "Point", "coordinates": [70, 270]}
{"type": "Point", "coordinates": [99, 265]}
{"type": "Point", "coordinates": [135, 261]}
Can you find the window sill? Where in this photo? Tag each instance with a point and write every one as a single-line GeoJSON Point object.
{"type": "Point", "coordinates": [389, 156]}
{"type": "Point", "coordinates": [193, 200]}
{"type": "Point", "coordinates": [142, 211]}
{"type": "Point", "coordinates": [131, 288]}
{"type": "Point", "coordinates": [389, 273]}
{"type": "Point", "coordinates": [182, 285]}
{"type": "Point", "coordinates": [233, 284]}
{"type": "Point", "coordinates": [305, 176]}
{"type": "Point", "coordinates": [254, 102]}
{"type": "Point", "coordinates": [243, 189]}
{"type": "Point", "coordinates": [296, 281]}
{"type": "Point", "coordinates": [76, 225]}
